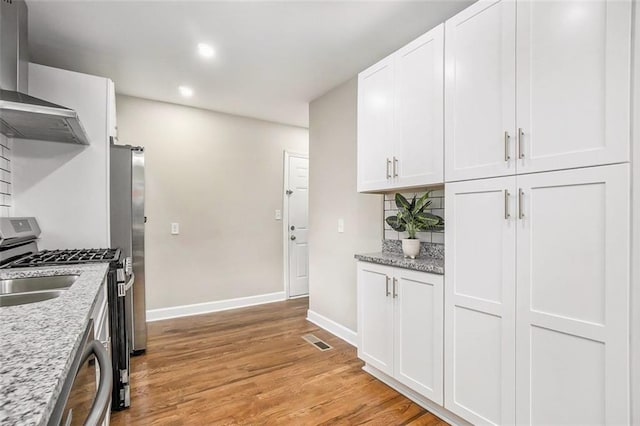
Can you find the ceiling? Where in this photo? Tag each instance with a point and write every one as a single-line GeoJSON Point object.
{"type": "Point", "coordinates": [272, 58]}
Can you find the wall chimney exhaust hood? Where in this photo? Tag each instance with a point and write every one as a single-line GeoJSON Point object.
{"type": "Point", "coordinates": [23, 116]}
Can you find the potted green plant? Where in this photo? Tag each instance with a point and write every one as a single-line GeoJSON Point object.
{"type": "Point", "coordinates": [412, 218]}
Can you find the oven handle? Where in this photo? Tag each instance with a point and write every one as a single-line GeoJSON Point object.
{"type": "Point", "coordinates": [102, 401]}
{"type": "Point", "coordinates": [129, 283]}
{"type": "Point", "coordinates": [124, 288]}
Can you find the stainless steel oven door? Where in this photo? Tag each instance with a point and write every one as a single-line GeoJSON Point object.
{"type": "Point", "coordinates": [86, 395]}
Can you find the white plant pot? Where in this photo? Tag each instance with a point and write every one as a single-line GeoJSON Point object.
{"type": "Point", "coordinates": [410, 247]}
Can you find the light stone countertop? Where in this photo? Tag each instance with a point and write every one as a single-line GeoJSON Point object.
{"type": "Point", "coordinates": [422, 263]}
{"type": "Point", "coordinates": [39, 341]}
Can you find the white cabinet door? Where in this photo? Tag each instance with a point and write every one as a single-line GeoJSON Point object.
{"type": "Point", "coordinates": [480, 91]}
{"type": "Point", "coordinates": [573, 76]}
{"type": "Point", "coordinates": [375, 126]}
{"type": "Point", "coordinates": [375, 316]}
{"type": "Point", "coordinates": [418, 353]}
{"type": "Point", "coordinates": [419, 125]}
{"type": "Point", "coordinates": [573, 285]}
{"type": "Point", "coordinates": [480, 300]}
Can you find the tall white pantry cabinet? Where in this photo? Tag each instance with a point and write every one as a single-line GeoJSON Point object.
{"type": "Point", "coordinates": [536, 151]}
{"type": "Point", "coordinates": [537, 264]}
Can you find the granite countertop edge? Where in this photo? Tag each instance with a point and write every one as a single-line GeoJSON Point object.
{"type": "Point", "coordinates": [39, 342]}
{"type": "Point", "coordinates": [423, 264]}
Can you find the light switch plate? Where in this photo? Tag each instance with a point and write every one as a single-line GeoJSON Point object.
{"type": "Point", "coordinates": [175, 228]}
{"type": "Point", "coordinates": [341, 225]}
{"type": "Point", "coordinates": [278, 214]}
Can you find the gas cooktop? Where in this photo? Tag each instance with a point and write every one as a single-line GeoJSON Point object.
{"type": "Point", "coordinates": [66, 257]}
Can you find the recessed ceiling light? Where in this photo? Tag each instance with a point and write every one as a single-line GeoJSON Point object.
{"type": "Point", "coordinates": [205, 50]}
{"type": "Point", "coordinates": [186, 91]}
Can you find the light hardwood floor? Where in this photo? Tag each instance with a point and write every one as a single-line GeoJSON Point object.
{"type": "Point", "coordinates": [251, 366]}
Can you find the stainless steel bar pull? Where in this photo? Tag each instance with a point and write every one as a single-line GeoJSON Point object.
{"type": "Point", "coordinates": [507, 156]}
{"type": "Point", "coordinates": [102, 399]}
{"type": "Point", "coordinates": [387, 285]}
{"type": "Point", "coordinates": [388, 172]}
{"type": "Point", "coordinates": [520, 138]}
{"type": "Point", "coordinates": [507, 215]}
{"type": "Point", "coordinates": [395, 167]}
{"type": "Point", "coordinates": [520, 209]}
{"type": "Point", "coordinates": [395, 287]}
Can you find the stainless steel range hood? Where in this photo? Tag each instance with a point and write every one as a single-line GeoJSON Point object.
{"type": "Point", "coordinates": [23, 116]}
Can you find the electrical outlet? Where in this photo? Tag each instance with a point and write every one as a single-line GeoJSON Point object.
{"type": "Point", "coordinates": [278, 214]}
{"type": "Point", "coordinates": [175, 228]}
{"type": "Point", "coordinates": [341, 225]}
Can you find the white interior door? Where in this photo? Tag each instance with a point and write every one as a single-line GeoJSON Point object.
{"type": "Point", "coordinates": [298, 225]}
{"type": "Point", "coordinates": [573, 286]}
{"type": "Point", "coordinates": [573, 83]}
{"type": "Point", "coordinates": [480, 243]}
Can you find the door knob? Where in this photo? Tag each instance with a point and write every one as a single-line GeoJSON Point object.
{"type": "Point", "coordinates": [293, 237]}
{"type": "Point", "coordinates": [289, 192]}
{"type": "Point", "coordinates": [293, 228]}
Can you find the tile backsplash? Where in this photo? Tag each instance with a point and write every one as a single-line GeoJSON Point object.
{"type": "Point", "coordinates": [5, 177]}
{"type": "Point", "coordinates": [436, 207]}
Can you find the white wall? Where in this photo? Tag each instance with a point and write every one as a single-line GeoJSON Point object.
{"type": "Point", "coordinates": [333, 195]}
{"type": "Point", "coordinates": [66, 186]}
{"type": "Point", "coordinates": [635, 223]}
{"type": "Point", "coordinates": [220, 177]}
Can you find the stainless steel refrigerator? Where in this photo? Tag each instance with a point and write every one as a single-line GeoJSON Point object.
{"type": "Point", "coordinates": [127, 233]}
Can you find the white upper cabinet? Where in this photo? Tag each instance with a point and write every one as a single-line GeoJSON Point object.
{"type": "Point", "coordinates": [375, 126]}
{"type": "Point", "coordinates": [419, 111]}
{"type": "Point", "coordinates": [573, 79]}
{"type": "Point", "coordinates": [480, 264]}
{"type": "Point", "coordinates": [570, 86]}
{"type": "Point", "coordinates": [572, 288]}
{"type": "Point", "coordinates": [400, 117]}
{"type": "Point", "coordinates": [480, 65]}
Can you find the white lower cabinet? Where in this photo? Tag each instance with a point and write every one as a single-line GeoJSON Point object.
{"type": "Point", "coordinates": [536, 302]}
{"type": "Point", "coordinates": [400, 326]}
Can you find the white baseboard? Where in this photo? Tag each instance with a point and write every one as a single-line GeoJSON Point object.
{"type": "Point", "coordinates": [339, 330]}
{"type": "Point", "coordinates": [435, 409]}
{"type": "Point", "coordinates": [216, 306]}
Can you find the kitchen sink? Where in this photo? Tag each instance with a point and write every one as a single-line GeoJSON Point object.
{"type": "Point", "coordinates": [30, 297]}
{"type": "Point", "coordinates": [36, 284]}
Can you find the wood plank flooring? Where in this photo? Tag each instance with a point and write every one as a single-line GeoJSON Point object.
{"type": "Point", "coordinates": [251, 367]}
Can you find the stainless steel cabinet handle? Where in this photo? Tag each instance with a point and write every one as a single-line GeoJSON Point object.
{"type": "Point", "coordinates": [520, 138]}
{"type": "Point", "coordinates": [507, 215]}
{"type": "Point", "coordinates": [520, 197]}
{"type": "Point", "coordinates": [387, 286]}
{"type": "Point", "coordinates": [395, 287]}
{"type": "Point", "coordinates": [395, 167]}
{"type": "Point", "coordinates": [293, 237]}
{"type": "Point", "coordinates": [101, 402]}
{"type": "Point", "coordinates": [388, 172]}
{"type": "Point", "coordinates": [507, 157]}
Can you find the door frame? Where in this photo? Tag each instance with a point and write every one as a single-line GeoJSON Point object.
{"type": "Point", "coordinates": [285, 218]}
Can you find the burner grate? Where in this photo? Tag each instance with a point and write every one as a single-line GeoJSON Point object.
{"type": "Point", "coordinates": [67, 257]}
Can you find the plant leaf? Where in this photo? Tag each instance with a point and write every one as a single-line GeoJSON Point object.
{"type": "Point", "coordinates": [396, 223]}
{"type": "Point", "coordinates": [402, 202]}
